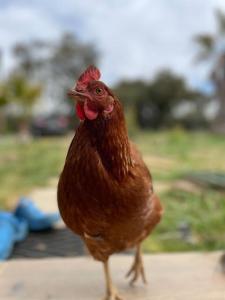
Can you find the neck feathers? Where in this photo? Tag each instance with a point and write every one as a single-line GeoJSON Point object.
{"type": "Point", "coordinates": [110, 138]}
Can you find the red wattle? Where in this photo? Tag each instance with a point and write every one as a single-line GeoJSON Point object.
{"type": "Point", "coordinates": [90, 113]}
{"type": "Point", "coordinates": [80, 111]}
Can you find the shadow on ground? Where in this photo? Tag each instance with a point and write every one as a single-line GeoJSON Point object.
{"type": "Point", "coordinates": [52, 243]}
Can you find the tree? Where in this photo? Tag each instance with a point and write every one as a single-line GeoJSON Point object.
{"type": "Point", "coordinates": [30, 57]}
{"type": "Point", "coordinates": [55, 63]}
{"type": "Point", "coordinates": [154, 101]}
{"type": "Point", "coordinates": [69, 57]}
{"type": "Point", "coordinates": [165, 91]}
{"type": "Point", "coordinates": [3, 95]}
{"type": "Point", "coordinates": [24, 94]}
{"type": "Point", "coordinates": [3, 98]}
{"type": "Point", "coordinates": [129, 92]}
{"type": "Point", "coordinates": [18, 90]}
{"type": "Point", "coordinates": [3, 102]}
{"type": "Point", "coordinates": [208, 45]}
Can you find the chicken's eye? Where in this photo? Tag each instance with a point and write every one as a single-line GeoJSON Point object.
{"type": "Point", "coordinates": [98, 90]}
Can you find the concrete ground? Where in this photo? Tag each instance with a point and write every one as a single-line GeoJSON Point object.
{"type": "Point", "coordinates": [189, 276]}
{"type": "Point", "coordinates": [45, 197]}
{"type": "Point", "coordinates": [171, 277]}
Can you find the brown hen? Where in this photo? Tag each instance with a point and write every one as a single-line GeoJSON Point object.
{"type": "Point", "coordinates": [105, 191]}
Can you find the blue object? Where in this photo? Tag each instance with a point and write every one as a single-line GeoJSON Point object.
{"type": "Point", "coordinates": [11, 230]}
{"type": "Point", "coordinates": [37, 220]}
{"type": "Point", "coordinates": [14, 227]}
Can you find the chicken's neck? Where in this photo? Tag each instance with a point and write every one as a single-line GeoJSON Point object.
{"type": "Point", "coordinates": [110, 138]}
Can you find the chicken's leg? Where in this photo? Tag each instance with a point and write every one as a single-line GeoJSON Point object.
{"type": "Point", "coordinates": [111, 292]}
{"type": "Point", "coordinates": [137, 268]}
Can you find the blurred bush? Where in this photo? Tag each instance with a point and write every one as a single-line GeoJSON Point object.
{"type": "Point", "coordinates": [211, 49]}
{"type": "Point", "coordinates": [155, 102]}
{"type": "Point", "coordinates": [45, 70]}
{"type": "Point", "coordinates": [42, 74]}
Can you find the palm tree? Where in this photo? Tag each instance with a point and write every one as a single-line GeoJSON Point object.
{"type": "Point", "coordinates": [212, 48]}
{"type": "Point", "coordinates": [17, 89]}
{"type": "Point", "coordinates": [23, 93]}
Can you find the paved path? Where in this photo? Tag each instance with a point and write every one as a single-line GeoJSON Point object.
{"type": "Point", "coordinates": [189, 276]}
{"type": "Point", "coordinates": [45, 197]}
{"type": "Point", "coordinates": [171, 277]}
{"type": "Point", "coordinates": [60, 242]}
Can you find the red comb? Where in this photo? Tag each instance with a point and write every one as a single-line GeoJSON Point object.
{"type": "Point", "coordinates": [91, 73]}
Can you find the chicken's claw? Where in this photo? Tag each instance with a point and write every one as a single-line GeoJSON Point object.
{"type": "Point", "coordinates": [137, 269]}
{"type": "Point", "coordinates": [113, 295]}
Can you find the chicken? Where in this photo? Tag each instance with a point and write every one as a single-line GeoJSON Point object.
{"type": "Point", "coordinates": [105, 192]}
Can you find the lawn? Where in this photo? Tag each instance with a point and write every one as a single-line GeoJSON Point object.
{"type": "Point", "coordinates": [197, 212]}
{"type": "Point", "coordinates": [171, 155]}
{"type": "Point", "coordinates": [24, 166]}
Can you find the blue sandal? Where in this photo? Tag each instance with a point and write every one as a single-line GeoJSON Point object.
{"type": "Point", "coordinates": [12, 230]}
{"type": "Point", "coordinates": [37, 220]}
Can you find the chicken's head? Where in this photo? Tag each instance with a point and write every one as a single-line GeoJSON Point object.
{"type": "Point", "coordinates": [93, 97]}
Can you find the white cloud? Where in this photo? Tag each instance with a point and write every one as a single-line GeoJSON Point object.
{"type": "Point", "coordinates": [135, 38]}
{"type": "Point", "coordinates": [23, 24]}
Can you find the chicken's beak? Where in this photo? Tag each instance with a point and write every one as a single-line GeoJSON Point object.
{"type": "Point", "coordinates": [78, 96]}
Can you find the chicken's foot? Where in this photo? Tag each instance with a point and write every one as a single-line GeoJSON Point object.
{"type": "Point", "coordinates": [111, 292]}
{"type": "Point", "coordinates": [137, 268]}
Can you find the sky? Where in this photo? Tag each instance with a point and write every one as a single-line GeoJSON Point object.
{"type": "Point", "coordinates": [135, 39]}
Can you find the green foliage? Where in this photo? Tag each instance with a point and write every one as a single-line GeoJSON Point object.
{"type": "Point", "coordinates": [208, 46]}
{"type": "Point", "coordinates": [54, 59]}
{"type": "Point", "coordinates": [29, 56]}
{"type": "Point", "coordinates": [169, 87]}
{"type": "Point", "coordinates": [205, 43]}
{"type": "Point", "coordinates": [54, 63]}
{"type": "Point", "coordinates": [21, 91]}
{"type": "Point", "coordinates": [3, 94]}
{"type": "Point", "coordinates": [169, 155]}
{"type": "Point", "coordinates": [69, 56]}
{"type": "Point", "coordinates": [129, 92]}
{"type": "Point", "coordinates": [220, 18]}
{"type": "Point", "coordinates": [41, 66]}
{"type": "Point", "coordinates": [154, 101]}
{"type": "Point", "coordinates": [17, 89]}
{"type": "Point", "coordinates": [3, 101]}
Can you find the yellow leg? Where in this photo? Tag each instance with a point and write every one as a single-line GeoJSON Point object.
{"type": "Point", "coordinates": [137, 268]}
{"type": "Point", "coordinates": [111, 292]}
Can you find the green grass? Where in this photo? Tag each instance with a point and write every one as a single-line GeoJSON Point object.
{"type": "Point", "coordinates": [25, 166]}
{"type": "Point", "coordinates": [176, 153]}
{"type": "Point", "coordinates": [205, 215]}
{"type": "Point", "coordinates": [169, 154]}
{"type": "Point", "coordinates": [182, 151]}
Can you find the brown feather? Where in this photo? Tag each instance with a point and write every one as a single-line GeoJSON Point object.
{"type": "Point", "coordinates": [105, 190]}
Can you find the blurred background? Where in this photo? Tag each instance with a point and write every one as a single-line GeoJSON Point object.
{"type": "Point", "coordinates": [166, 62]}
